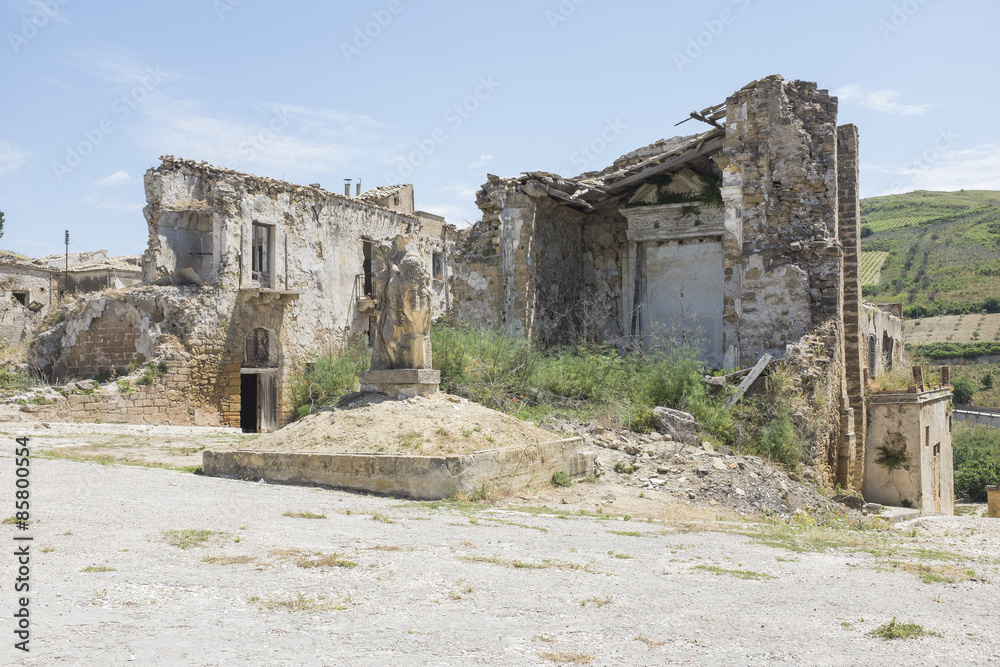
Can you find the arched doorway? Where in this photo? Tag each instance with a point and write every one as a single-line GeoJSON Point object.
{"type": "Point", "coordinates": [259, 383]}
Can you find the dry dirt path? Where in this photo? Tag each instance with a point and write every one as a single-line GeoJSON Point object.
{"type": "Point", "coordinates": [385, 582]}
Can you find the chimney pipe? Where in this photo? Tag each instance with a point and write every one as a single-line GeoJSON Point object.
{"type": "Point", "coordinates": [347, 187]}
{"type": "Point", "coordinates": [359, 187]}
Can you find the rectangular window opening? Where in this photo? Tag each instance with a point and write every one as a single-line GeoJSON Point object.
{"type": "Point", "coordinates": [262, 241]}
{"type": "Point", "coordinates": [21, 298]}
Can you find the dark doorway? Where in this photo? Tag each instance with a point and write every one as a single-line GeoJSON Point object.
{"type": "Point", "coordinates": [248, 403]}
{"type": "Point", "coordinates": [259, 383]}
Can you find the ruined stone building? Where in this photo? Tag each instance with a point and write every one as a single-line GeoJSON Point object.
{"type": "Point", "coordinates": [742, 240]}
{"type": "Point", "coordinates": [245, 280]}
{"type": "Point", "coordinates": [29, 288]}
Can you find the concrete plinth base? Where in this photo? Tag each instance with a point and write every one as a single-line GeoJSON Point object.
{"type": "Point", "coordinates": [499, 471]}
{"type": "Point", "coordinates": [403, 382]}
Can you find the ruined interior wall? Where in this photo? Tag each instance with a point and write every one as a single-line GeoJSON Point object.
{"type": "Point", "coordinates": [882, 340]}
{"type": "Point", "coordinates": [508, 283]}
{"type": "Point", "coordinates": [605, 259]}
{"type": "Point", "coordinates": [557, 242]}
{"type": "Point", "coordinates": [781, 136]}
{"type": "Point", "coordinates": [102, 334]}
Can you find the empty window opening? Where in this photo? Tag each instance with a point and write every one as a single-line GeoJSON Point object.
{"type": "Point", "coordinates": [259, 350]}
{"type": "Point", "coordinates": [872, 355]}
{"type": "Point", "coordinates": [261, 254]}
{"type": "Point", "coordinates": [887, 351]}
{"type": "Point", "coordinates": [21, 298]}
{"type": "Point", "coordinates": [437, 266]}
{"type": "Point", "coordinates": [395, 200]}
{"type": "Point", "coordinates": [368, 250]}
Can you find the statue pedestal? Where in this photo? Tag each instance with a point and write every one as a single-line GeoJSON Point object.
{"type": "Point", "coordinates": [402, 383]}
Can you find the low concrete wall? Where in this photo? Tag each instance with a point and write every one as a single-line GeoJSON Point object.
{"type": "Point", "coordinates": [977, 416]}
{"type": "Point", "coordinates": [418, 477]}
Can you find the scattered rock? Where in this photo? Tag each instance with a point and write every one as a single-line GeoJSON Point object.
{"type": "Point", "coordinates": [854, 502]}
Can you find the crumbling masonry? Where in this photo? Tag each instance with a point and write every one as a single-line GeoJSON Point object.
{"type": "Point", "coordinates": [246, 280]}
{"type": "Point", "coordinates": [742, 240]}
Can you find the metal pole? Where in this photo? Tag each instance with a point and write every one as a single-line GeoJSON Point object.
{"type": "Point", "coordinates": [66, 279]}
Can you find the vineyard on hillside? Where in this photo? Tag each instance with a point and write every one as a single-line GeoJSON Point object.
{"type": "Point", "coordinates": [871, 266]}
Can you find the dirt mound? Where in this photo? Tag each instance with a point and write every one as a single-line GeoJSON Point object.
{"type": "Point", "coordinates": [436, 425]}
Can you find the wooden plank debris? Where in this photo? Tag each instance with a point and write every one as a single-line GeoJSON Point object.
{"type": "Point", "coordinates": [749, 380]}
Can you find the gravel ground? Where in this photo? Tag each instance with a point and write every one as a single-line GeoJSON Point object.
{"type": "Point", "coordinates": [379, 581]}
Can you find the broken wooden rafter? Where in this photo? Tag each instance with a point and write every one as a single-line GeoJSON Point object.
{"type": "Point", "coordinates": [749, 380]}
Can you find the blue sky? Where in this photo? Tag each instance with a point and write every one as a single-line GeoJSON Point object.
{"type": "Point", "coordinates": [440, 94]}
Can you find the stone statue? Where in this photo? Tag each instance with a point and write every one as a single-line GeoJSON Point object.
{"type": "Point", "coordinates": [405, 309]}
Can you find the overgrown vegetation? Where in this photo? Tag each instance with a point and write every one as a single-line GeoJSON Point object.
{"type": "Point", "coordinates": [977, 459]}
{"type": "Point", "coordinates": [151, 373]}
{"type": "Point", "coordinates": [333, 375]}
{"type": "Point", "coordinates": [16, 381]}
{"type": "Point", "coordinates": [594, 382]}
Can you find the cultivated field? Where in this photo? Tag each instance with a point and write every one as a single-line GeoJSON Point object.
{"type": "Point", "coordinates": [871, 266]}
{"type": "Point", "coordinates": [953, 329]}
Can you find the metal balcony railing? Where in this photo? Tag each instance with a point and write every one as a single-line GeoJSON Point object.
{"type": "Point", "coordinates": [364, 286]}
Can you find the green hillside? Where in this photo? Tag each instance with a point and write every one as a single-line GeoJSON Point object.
{"type": "Point", "coordinates": [944, 251]}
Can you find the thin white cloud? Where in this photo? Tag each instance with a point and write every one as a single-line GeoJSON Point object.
{"type": "Point", "coordinates": [884, 101]}
{"type": "Point", "coordinates": [117, 66]}
{"type": "Point", "coordinates": [976, 168]}
{"type": "Point", "coordinates": [113, 204]}
{"type": "Point", "coordinates": [58, 84]}
{"type": "Point", "coordinates": [11, 158]}
{"type": "Point", "coordinates": [114, 180]}
{"type": "Point", "coordinates": [483, 161]}
{"type": "Point", "coordinates": [294, 143]}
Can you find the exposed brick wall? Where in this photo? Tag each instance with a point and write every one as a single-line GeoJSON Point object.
{"type": "Point", "coordinates": [109, 344]}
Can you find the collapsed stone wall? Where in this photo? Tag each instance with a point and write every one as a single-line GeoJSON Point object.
{"type": "Point", "coordinates": [815, 364]}
{"type": "Point", "coordinates": [781, 143]}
